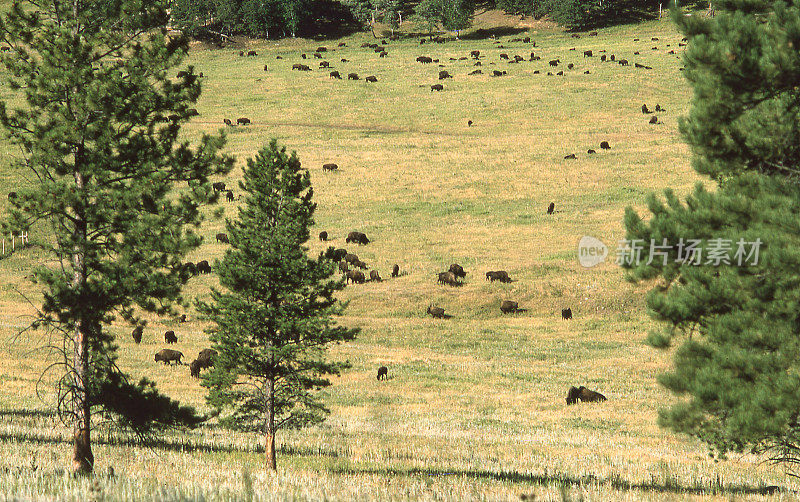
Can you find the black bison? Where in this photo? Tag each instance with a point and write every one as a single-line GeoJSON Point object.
{"type": "Point", "coordinates": [355, 276]}
{"type": "Point", "coordinates": [242, 121]}
{"type": "Point", "coordinates": [457, 270]}
{"type": "Point", "coordinates": [570, 156]}
{"type": "Point", "coordinates": [206, 358]}
{"type": "Point", "coordinates": [424, 59]}
{"type": "Point", "coordinates": [168, 356]}
{"type": "Point", "coordinates": [611, 58]}
{"type": "Point", "coordinates": [469, 123]}
{"type": "Point", "coordinates": [436, 312]}
{"type": "Point", "coordinates": [437, 87]}
{"type": "Point", "coordinates": [659, 108]}
{"type": "Point", "coordinates": [190, 268]}
{"type": "Point", "coordinates": [383, 373]}
{"type": "Point", "coordinates": [475, 72]}
{"type": "Point", "coordinates": [352, 76]}
{"type": "Point", "coordinates": [343, 267]}
{"type": "Point", "coordinates": [509, 307]}
{"type": "Point", "coordinates": [566, 313]}
{"type": "Point", "coordinates": [570, 66]}
{"type": "Point", "coordinates": [624, 62]}
{"type": "Point", "coordinates": [498, 73]}
{"type": "Point", "coordinates": [587, 54]}
{"type": "Point", "coordinates": [322, 49]}
{"type": "Point", "coordinates": [375, 276]}
{"type": "Point", "coordinates": [223, 238]}
{"type": "Point", "coordinates": [194, 369]}
{"type": "Point", "coordinates": [350, 258]}
{"type": "Point", "coordinates": [324, 64]}
{"type": "Point", "coordinates": [503, 56]}
{"type": "Point", "coordinates": [604, 145]}
{"type": "Point", "coordinates": [252, 53]}
{"type": "Point", "coordinates": [335, 254]}
{"type": "Point", "coordinates": [323, 236]}
{"type": "Point", "coordinates": [357, 237]}
{"type": "Point", "coordinates": [498, 275]}
{"type": "Point", "coordinates": [371, 78]}
{"type": "Point", "coordinates": [448, 278]}
{"type": "Point", "coordinates": [203, 267]}
{"type": "Point", "coordinates": [229, 195]}
{"type": "Point", "coordinates": [551, 208]}
{"type": "Point", "coordinates": [329, 167]}
{"type": "Point", "coordinates": [227, 122]}
{"type": "Point", "coordinates": [138, 331]}
{"type": "Point", "coordinates": [591, 151]}
{"type": "Point", "coordinates": [395, 270]}
{"type": "Point", "coordinates": [585, 395]}
{"type": "Point", "coordinates": [182, 318]}
{"type": "Point", "coordinates": [444, 74]}
{"type": "Point", "coordinates": [219, 186]}
{"type": "Point", "coordinates": [654, 119]}
{"type": "Point", "coordinates": [554, 62]}
{"type": "Point", "coordinates": [603, 58]}
{"type": "Point", "coordinates": [475, 54]}
{"type": "Point", "coordinates": [169, 337]}
{"type": "Point", "coordinates": [298, 66]}
{"type": "Point", "coordinates": [383, 54]}
{"type": "Point", "coordinates": [335, 74]}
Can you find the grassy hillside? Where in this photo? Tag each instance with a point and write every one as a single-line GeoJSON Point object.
{"type": "Point", "coordinates": [474, 407]}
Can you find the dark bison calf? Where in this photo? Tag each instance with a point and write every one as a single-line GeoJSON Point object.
{"type": "Point", "coordinates": [383, 373]}
{"type": "Point", "coordinates": [436, 312]}
{"type": "Point", "coordinates": [566, 313]}
{"type": "Point", "coordinates": [585, 395]}
{"type": "Point", "coordinates": [509, 307]}
{"type": "Point", "coordinates": [168, 356]}
{"type": "Point", "coordinates": [498, 275]}
{"type": "Point", "coordinates": [137, 334]}
{"type": "Point", "coordinates": [223, 238]}
{"type": "Point", "coordinates": [169, 337]}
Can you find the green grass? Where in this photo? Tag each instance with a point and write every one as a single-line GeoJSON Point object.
{"type": "Point", "coordinates": [474, 408]}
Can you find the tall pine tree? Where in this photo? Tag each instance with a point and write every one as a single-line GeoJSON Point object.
{"type": "Point", "coordinates": [272, 326]}
{"type": "Point", "coordinates": [737, 367]}
{"type": "Point", "coordinates": [98, 131]}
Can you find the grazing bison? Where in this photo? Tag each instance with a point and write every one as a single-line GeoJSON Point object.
{"type": "Point", "coordinates": [587, 54]}
{"type": "Point", "coordinates": [335, 74]}
{"type": "Point", "coordinates": [355, 276]}
{"type": "Point", "coordinates": [189, 268]}
{"type": "Point", "coordinates": [323, 236]}
{"type": "Point", "coordinates": [570, 156]}
{"type": "Point", "coordinates": [252, 53]}
{"type": "Point", "coordinates": [194, 369]}
{"type": "Point", "coordinates": [584, 395]}
{"type": "Point", "coordinates": [343, 267]}
{"type": "Point", "coordinates": [424, 59]}
{"type": "Point", "coordinates": [566, 313]}
{"type": "Point", "coordinates": [383, 373]}
{"type": "Point", "coordinates": [503, 56]}
{"type": "Point", "coordinates": [357, 237]}
{"type": "Point", "coordinates": [350, 258]}
{"type": "Point", "coordinates": [168, 356]}
{"type": "Point", "coordinates": [352, 76]}
{"type": "Point", "coordinates": [457, 270]}
{"type": "Point", "coordinates": [469, 123]}
{"type": "Point", "coordinates": [603, 58]}
{"type": "Point", "coordinates": [242, 121]}
{"type": "Point", "coordinates": [203, 267]}
{"type": "Point", "coordinates": [475, 54]}
{"type": "Point", "coordinates": [436, 312]}
{"type": "Point", "coordinates": [182, 318]}
{"type": "Point", "coordinates": [659, 109]}
{"type": "Point", "coordinates": [654, 119]}
{"type": "Point", "coordinates": [329, 167]}
{"type": "Point", "coordinates": [611, 58]}
{"type": "Point", "coordinates": [624, 62]}
{"type": "Point", "coordinates": [169, 337]}
{"type": "Point", "coordinates": [206, 358]}
{"type": "Point", "coordinates": [227, 122]}
{"type": "Point", "coordinates": [498, 73]}
{"type": "Point", "coordinates": [219, 186]}
{"type": "Point", "coordinates": [498, 275]}
{"type": "Point", "coordinates": [324, 64]}
{"type": "Point", "coordinates": [509, 307]}
{"type": "Point", "coordinates": [335, 254]}
{"type": "Point", "coordinates": [444, 74]}
{"type": "Point", "coordinates": [138, 331]}
{"type": "Point", "coordinates": [560, 73]}
{"type": "Point", "coordinates": [229, 195]}
{"type": "Point", "coordinates": [360, 264]}
{"type": "Point", "coordinates": [395, 270]}
{"type": "Point", "coordinates": [551, 208]}
{"type": "Point", "coordinates": [437, 87]}
{"type": "Point", "coordinates": [554, 62]}
{"type": "Point", "coordinates": [570, 66]}
{"type": "Point", "coordinates": [448, 278]}
{"type": "Point", "coordinates": [645, 110]}
{"type": "Point", "coordinates": [375, 276]}
{"type": "Point", "coordinates": [590, 151]}
{"type": "Point", "coordinates": [223, 238]}
{"type": "Point", "coordinates": [475, 72]}
{"type": "Point", "coordinates": [371, 78]}
{"type": "Point", "coordinates": [604, 145]}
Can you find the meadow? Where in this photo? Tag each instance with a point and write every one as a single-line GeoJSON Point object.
{"type": "Point", "coordinates": [474, 408]}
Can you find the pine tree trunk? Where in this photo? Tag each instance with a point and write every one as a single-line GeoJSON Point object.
{"type": "Point", "coordinates": [82, 457]}
{"type": "Point", "coordinates": [270, 423]}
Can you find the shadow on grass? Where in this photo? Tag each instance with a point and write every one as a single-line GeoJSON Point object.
{"type": "Point", "coordinates": [162, 444]}
{"type": "Point", "coordinates": [566, 480]}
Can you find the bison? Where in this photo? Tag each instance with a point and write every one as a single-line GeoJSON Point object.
{"type": "Point", "coordinates": [371, 78]}
{"type": "Point", "coordinates": [350, 258]}
{"type": "Point", "coordinates": [169, 337]}
{"type": "Point", "coordinates": [587, 54]}
{"type": "Point", "coordinates": [424, 59]}
{"type": "Point", "coordinates": [566, 313]}
{"type": "Point", "coordinates": [357, 237]}
{"type": "Point", "coordinates": [352, 76]}
{"type": "Point", "coordinates": [498, 275]}
{"type": "Point", "coordinates": [218, 186]}
{"type": "Point", "coordinates": [383, 373]}
{"type": "Point", "coordinates": [194, 369]}
{"type": "Point", "coordinates": [168, 356]}
{"type": "Point", "coordinates": [448, 278]}
{"type": "Point", "coordinates": [330, 167]}
{"type": "Point", "coordinates": [659, 108]}
{"type": "Point", "coordinates": [475, 72]}
{"type": "Point", "coordinates": [584, 395]}
{"type": "Point", "coordinates": [457, 270]}
{"type": "Point", "coordinates": [323, 236]}
{"type": "Point", "coordinates": [223, 238]}
{"type": "Point", "coordinates": [395, 270]}
{"type": "Point", "coordinates": [591, 151]}
{"type": "Point", "coordinates": [570, 156]}
{"type": "Point", "coordinates": [375, 276]}
{"type": "Point", "coordinates": [436, 312]}
{"type": "Point", "coordinates": [654, 119]}
{"type": "Point", "coordinates": [324, 64]}
{"type": "Point", "coordinates": [206, 358]}
{"type": "Point", "coordinates": [475, 54]}
{"type": "Point", "coordinates": [203, 267]}
{"type": "Point", "coordinates": [355, 276]}
{"type": "Point", "coordinates": [551, 208]}
{"type": "Point", "coordinates": [604, 145]}
{"type": "Point", "coordinates": [252, 53]}
{"type": "Point", "coordinates": [335, 74]}
{"type": "Point", "coordinates": [137, 334]}
{"type": "Point", "coordinates": [498, 73]}
{"type": "Point", "coordinates": [229, 195]}
{"type": "Point", "coordinates": [444, 74]}
{"type": "Point", "coordinates": [242, 121]}
{"type": "Point", "coordinates": [437, 87]}
{"type": "Point", "coordinates": [509, 307]}
{"type": "Point", "coordinates": [554, 62]}
{"type": "Point", "coordinates": [227, 122]}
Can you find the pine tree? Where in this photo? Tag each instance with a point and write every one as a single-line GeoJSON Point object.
{"type": "Point", "coordinates": [453, 15]}
{"type": "Point", "coordinates": [737, 369]}
{"type": "Point", "coordinates": [99, 136]}
{"type": "Point", "coordinates": [272, 327]}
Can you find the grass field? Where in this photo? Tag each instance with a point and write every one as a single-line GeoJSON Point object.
{"type": "Point", "coordinates": [474, 408]}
